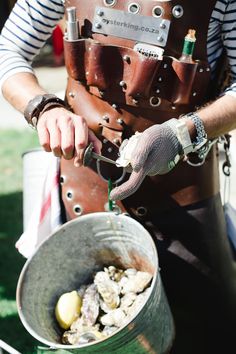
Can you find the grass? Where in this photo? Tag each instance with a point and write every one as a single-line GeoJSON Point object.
{"type": "Point", "coordinates": [13, 144]}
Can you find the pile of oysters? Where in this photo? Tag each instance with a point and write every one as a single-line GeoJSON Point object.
{"type": "Point", "coordinates": [104, 306]}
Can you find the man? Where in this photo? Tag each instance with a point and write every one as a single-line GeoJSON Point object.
{"type": "Point", "coordinates": [143, 90]}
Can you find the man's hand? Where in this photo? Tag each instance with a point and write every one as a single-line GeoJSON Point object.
{"type": "Point", "coordinates": [65, 134]}
{"type": "Point", "coordinates": [156, 153]}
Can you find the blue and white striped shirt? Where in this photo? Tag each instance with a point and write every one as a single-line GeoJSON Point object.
{"type": "Point", "coordinates": [31, 23]}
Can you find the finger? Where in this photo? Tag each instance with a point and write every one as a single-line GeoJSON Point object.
{"type": "Point", "coordinates": [96, 142]}
{"type": "Point", "coordinates": [81, 138]}
{"type": "Point", "coordinates": [55, 139]}
{"type": "Point", "coordinates": [129, 187]}
{"type": "Point", "coordinates": [67, 138]}
{"type": "Point", "coordinates": [44, 137]}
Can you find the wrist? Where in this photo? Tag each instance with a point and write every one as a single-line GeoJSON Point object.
{"type": "Point", "coordinates": [191, 128]}
{"type": "Point", "coordinates": [196, 130]}
{"type": "Point", "coordinates": [40, 104]}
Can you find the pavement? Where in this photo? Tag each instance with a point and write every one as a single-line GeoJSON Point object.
{"type": "Point", "coordinates": [54, 79]}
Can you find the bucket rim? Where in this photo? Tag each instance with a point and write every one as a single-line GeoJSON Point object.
{"type": "Point", "coordinates": [53, 345]}
{"type": "Point", "coordinates": [36, 149]}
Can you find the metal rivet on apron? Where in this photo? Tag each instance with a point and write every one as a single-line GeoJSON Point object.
{"type": "Point", "coordinates": [141, 211]}
{"type": "Point", "coordinates": [114, 105]}
{"type": "Point", "coordinates": [158, 90]}
{"type": "Point", "coordinates": [194, 94]}
{"type": "Point", "coordinates": [173, 107]}
{"type": "Point", "coordinates": [116, 141]}
{"type": "Point", "coordinates": [109, 2]}
{"type": "Point", "coordinates": [177, 11]}
{"type": "Point", "coordinates": [100, 12]}
{"type": "Point", "coordinates": [122, 84]}
{"type": "Point", "coordinates": [106, 118]}
{"type": "Point", "coordinates": [165, 66]}
{"type": "Point", "coordinates": [126, 58]}
{"type": "Point", "coordinates": [155, 101]}
{"type": "Point", "coordinates": [69, 195]}
{"type": "Point", "coordinates": [135, 101]}
{"type": "Point", "coordinates": [105, 141]}
{"type": "Point", "coordinates": [163, 25]}
{"type": "Point", "coordinates": [201, 70]}
{"type": "Point", "coordinates": [62, 179]}
{"type": "Point", "coordinates": [120, 121]}
{"type": "Point", "coordinates": [78, 210]}
{"type": "Point", "coordinates": [98, 25]}
{"type": "Point", "coordinates": [157, 11]}
{"type": "Point", "coordinates": [110, 149]}
{"type": "Point", "coordinates": [134, 8]}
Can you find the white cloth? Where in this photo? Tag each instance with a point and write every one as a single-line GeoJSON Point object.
{"type": "Point", "coordinates": [46, 215]}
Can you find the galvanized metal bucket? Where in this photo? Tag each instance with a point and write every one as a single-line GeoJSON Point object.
{"type": "Point", "coordinates": [68, 259]}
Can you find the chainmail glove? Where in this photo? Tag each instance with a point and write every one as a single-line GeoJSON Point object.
{"type": "Point", "coordinates": [157, 152]}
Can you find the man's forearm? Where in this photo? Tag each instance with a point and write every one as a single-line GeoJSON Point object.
{"type": "Point", "coordinates": [20, 88]}
{"type": "Point", "coordinates": [220, 116]}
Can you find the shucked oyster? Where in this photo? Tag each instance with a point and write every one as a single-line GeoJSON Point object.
{"type": "Point", "coordinates": [137, 304]}
{"type": "Point", "coordinates": [108, 289]}
{"type": "Point", "coordinates": [90, 305]}
{"type": "Point", "coordinates": [135, 282]}
{"type": "Point", "coordinates": [82, 334]}
{"type": "Point", "coordinates": [114, 273]}
{"type": "Point", "coordinates": [127, 300]}
{"type": "Point", "coordinates": [113, 318]}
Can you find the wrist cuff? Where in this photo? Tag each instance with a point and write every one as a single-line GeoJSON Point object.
{"type": "Point", "coordinates": [201, 137]}
{"type": "Point", "coordinates": [38, 105]}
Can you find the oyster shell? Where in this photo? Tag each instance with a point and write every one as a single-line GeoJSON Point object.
{"type": "Point", "coordinates": [127, 300]}
{"type": "Point", "coordinates": [83, 334]}
{"type": "Point", "coordinates": [135, 283]}
{"type": "Point", "coordinates": [137, 304]}
{"type": "Point", "coordinates": [108, 289]}
{"type": "Point", "coordinates": [114, 273]}
{"type": "Point", "coordinates": [108, 330]}
{"type": "Point", "coordinates": [113, 318]}
{"type": "Point", "coordinates": [90, 305]}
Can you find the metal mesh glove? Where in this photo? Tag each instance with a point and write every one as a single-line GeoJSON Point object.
{"type": "Point", "coordinates": [157, 152]}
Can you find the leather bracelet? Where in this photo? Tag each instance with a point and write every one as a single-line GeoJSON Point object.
{"type": "Point", "coordinates": [38, 105]}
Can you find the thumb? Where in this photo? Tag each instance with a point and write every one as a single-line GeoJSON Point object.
{"type": "Point", "coordinates": [129, 187]}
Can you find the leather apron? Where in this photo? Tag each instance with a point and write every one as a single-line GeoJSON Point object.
{"type": "Point", "coordinates": [120, 90]}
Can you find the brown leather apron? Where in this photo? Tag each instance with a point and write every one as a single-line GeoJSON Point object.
{"type": "Point", "coordinates": [120, 91]}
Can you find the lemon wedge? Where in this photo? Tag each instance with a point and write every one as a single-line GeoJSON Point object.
{"type": "Point", "coordinates": [68, 309]}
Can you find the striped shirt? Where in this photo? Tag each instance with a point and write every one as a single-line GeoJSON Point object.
{"type": "Point", "coordinates": [31, 23]}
